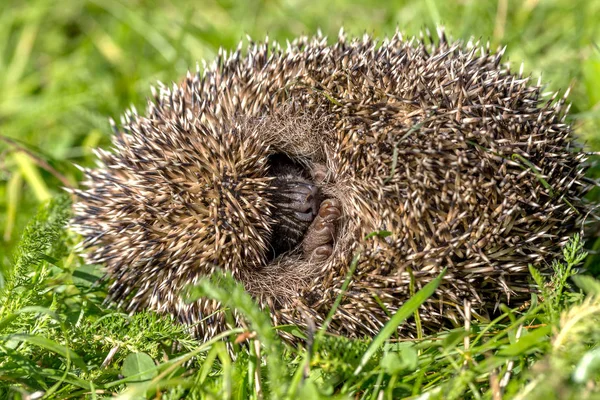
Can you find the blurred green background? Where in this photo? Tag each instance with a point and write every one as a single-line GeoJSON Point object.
{"type": "Point", "coordinates": [65, 67]}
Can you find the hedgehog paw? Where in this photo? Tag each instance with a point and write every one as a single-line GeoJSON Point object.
{"type": "Point", "coordinates": [318, 242]}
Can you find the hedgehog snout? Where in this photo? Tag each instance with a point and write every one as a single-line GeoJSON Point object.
{"type": "Point", "coordinates": [305, 201]}
{"type": "Point", "coordinates": [295, 204]}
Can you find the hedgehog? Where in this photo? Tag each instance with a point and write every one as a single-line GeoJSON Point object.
{"type": "Point", "coordinates": [282, 165]}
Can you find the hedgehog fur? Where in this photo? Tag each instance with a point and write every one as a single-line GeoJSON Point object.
{"type": "Point", "coordinates": [456, 161]}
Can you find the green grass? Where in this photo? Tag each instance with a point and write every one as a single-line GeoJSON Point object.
{"type": "Point", "coordinates": [65, 69]}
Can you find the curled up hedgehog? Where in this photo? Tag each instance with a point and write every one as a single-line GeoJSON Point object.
{"type": "Point", "coordinates": [279, 165]}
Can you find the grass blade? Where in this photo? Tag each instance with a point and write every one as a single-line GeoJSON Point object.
{"type": "Point", "coordinates": [404, 312]}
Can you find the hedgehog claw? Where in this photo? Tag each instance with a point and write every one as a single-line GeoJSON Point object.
{"type": "Point", "coordinates": [330, 210]}
{"type": "Point", "coordinates": [322, 253]}
{"type": "Point", "coordinates": [318, 242]}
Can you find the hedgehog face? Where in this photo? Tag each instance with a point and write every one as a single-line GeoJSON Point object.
{"type": "Point", "coordinates": [296, 202]}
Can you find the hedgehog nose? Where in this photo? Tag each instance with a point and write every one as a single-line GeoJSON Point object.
{"type": "Point", "coordinates": [306, 201]}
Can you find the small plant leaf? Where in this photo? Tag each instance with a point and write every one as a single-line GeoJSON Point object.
{"type": "Point", "coordinates": [140, 366]}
